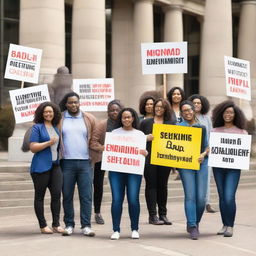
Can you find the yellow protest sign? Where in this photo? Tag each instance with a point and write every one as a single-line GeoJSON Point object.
{"type": "Point", "coordinates": [176, 146]}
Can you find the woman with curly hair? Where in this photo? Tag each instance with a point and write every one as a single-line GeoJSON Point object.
{"type": "Point", "coordinates": [157, 176]}
{"type": "Point", "coordinates": [227, 118]}
{"type": "Point", "coordinates": [45, 170]}
{"type": "Point", "coordinates": [146, 107]}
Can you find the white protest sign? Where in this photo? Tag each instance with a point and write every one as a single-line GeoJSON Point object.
{"type": "Point", "coordinates": [95, 94]}
{"type": "Point", "coordinates": [25, 101]}
{"type": "Point", "coordinates": [164, 58]}
{"type": "Point", "coordinates": [121, 153]}
{"type": "Point", "coordinates": [238, 82]}
{"type": "Point", "coordinates": [23, 63]}
{"type": "Point", "coordinates": [229, 150]}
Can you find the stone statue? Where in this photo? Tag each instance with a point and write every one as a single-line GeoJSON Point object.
{"type": "Point", "coordinates": [62, 84]}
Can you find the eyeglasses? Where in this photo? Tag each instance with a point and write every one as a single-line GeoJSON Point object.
{"type": "Point", "coordinates": [188, 110]}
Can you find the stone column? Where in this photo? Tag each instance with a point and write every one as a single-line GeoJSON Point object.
{"type": "Point", "coordinates": [122, 48]}
{"type": "Point", "coordinates": [246, 49]}
{"type": "Point", "coordinates": [216, 42]}
{"type": "Point", "coordinates": [42, 26]}
{"type": "Point", "coordinates": [88, 39]}
{"type": "Point", "coordinates": [173, 32]}
{"type": "Point", "coordinates": [143, 33]}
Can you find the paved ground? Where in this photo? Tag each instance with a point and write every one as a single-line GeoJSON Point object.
{"type": "Point", "coordinates": [19, 235]}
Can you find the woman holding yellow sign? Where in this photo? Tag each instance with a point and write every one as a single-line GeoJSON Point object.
{"type": "Point", "coordinates": [194, 181]}
{"type": "Point", "coordinates": [156, 176]}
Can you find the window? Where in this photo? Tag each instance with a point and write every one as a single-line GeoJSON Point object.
{"type": "Point", "coordinates": [9, 33]}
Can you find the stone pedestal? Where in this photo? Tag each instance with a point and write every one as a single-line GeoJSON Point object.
{"type": "Point", "coordinates": [15, 142]}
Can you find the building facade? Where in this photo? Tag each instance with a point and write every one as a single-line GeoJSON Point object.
{"type": "Point", "coordinates": [101, 38]}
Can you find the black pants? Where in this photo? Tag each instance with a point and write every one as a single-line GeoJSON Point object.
{"type": "Point", "coordinates": [51, 179]}
{"type": "Point", "coordinates": [98, 186]}
{"type": "Point", "coordinates": [156, 191]}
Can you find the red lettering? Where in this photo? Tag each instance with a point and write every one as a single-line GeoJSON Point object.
{"type": "Point", "coordinates": [164, 52]}
{"type": "Point", "coordinates": [24, 56]}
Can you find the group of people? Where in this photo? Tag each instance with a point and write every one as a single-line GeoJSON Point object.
{"type": "Point", "coordinates": [68, 143]}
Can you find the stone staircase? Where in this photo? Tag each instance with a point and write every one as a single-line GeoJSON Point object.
{"type": "Point", "coordinates": [17, 192]}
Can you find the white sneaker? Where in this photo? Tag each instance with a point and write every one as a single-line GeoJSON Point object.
{"type": "Point", "coordinates": [222, 230]}
{"type": "Point", "coordinates": [87, 231]}
{"type": "Point", "coordinates": [135, 234]}
{"type": "Point", "coordinates": [68, 231]}
{"type": "Point", "coordinates": [115, 236]}
{"type": "Point", "coordinates": [228, 232]}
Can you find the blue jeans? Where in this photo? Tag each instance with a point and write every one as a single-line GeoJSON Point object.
{"type": "Point", "coordinates": [118, 182]}
{"type": "Point", "coordinates": [80, 172]}
{"type": "Point", "coordinates": [227, 182]}
{"type": "Point", "coordinates": [195, 188]}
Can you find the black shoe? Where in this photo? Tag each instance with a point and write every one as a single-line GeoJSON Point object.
{"type": "Point", "coordinates": [155, 220]}
{"type": "Point", "coordinates": [99, 219]}
{"type": "Point", "coordinates": [165, 220]}
{"type": "Point", "coordinates": [209, 209]}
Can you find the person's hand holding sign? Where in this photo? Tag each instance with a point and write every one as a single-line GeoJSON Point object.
{"type": "Point", "coordinates": [150, 137]}
{"type": "Point", "coordinates": [203, 155]}
{"type": "Point", "coordinates": [143, 152]}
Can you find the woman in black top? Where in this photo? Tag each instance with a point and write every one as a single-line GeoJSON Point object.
{"type": "Point", "coordinates": [156, 176]}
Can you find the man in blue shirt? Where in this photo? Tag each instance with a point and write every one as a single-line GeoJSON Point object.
{"type": "Point", "coordinates": [76, 130]}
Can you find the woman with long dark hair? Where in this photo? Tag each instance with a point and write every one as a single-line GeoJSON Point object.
{"type": "Point", "coordinates": [45, 170]}
{"type": "Point", "coordinates": [227, 118]}
{"type": "Point", "coordinates": [175, 96]}
{"type": "Point", "coordinates": [146, 107]}
{"type": "Point", "coordinates": [156, 176]}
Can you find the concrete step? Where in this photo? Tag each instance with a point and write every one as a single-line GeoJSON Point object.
{"type": "Point", "coordinates": [24, 189]}
{"type": "Point", "coordinates": [16, 185]}
{"type": "Point", "coordinates": [23, 206]}
{"type": "Point", "coordinates": [16, 210]}
{"type": "Point", "coordinates": [15, 168]}
{"type": "Point", "coordinates": [20, 202]}
{"type": "Point", "coordinates": [5, 176]}
{"type": "Point", "coordinates": [16, 194]}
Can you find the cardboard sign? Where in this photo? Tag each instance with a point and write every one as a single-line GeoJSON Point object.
{"type": "Point", "coordinates": [25, 101]}
{"type": "Point", "coordinates": [23, 63]}
{"type": "Point", "coordinates": [95, 94]}
{"type": "Point", "coordinates": [164, 58]}
{"type": "Point", "coordinates": [238, 81]}
{"type": "Point", "coordinates": [176, 146]}
{"type": "Point", "coordinates": [121, 153]}
{"type": "Point", "coordinates": [230, 150]}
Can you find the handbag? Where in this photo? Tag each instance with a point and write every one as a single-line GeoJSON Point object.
{"type": "Point", "coordinates": [26, 140]}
